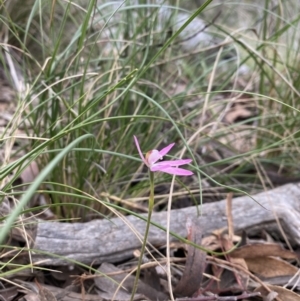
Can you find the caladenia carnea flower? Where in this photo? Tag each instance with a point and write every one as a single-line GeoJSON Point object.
{"type": "Point", "coordinates": [152, 160]}
{"type": "Point", "coordinates": [171, 167]}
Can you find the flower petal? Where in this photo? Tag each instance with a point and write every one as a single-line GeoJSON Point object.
{"type": "Point", "coordinates": [153, 156]}
{"type": "Point", "coordinates": [174, 171]}
{"type": "Point", "coordinates": [139, 150]}
{"type": "Point", "coordinates": [166, 149]}
{"type": "Point", "coordinates": [174, 162]}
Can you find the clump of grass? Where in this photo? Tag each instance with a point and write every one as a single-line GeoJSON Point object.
{"type": "Point", "coordinates": [109, 71]}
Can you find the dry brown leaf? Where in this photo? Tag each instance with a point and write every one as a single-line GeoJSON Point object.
{"type": "Point", "coordinates": [61, 294]}
{"type": "Point", "coordinates": [65, 274]}
{"type": "Point", "coordinates": [229, 280]}
{"type": "Point", "coordinates": [195, 263]}
{"type": "Point", "coordinates": [152, 279]}
{"type": "Point", "coordinates": [108, 285]}
{"type": "Point", "coordinates": [213, 243]}
{"type": "Point", "coordinates": [44, 293]}
{"type": "Point", "coordinates": [239, 111]}
{"type": "Point", "coordinates": [39, 200]}
{"type": "Point", "coordinates": [269, 267]}
{"type": "Point", "coordinates": [8, 294]}
{"type": "Point", "coordinates": [242, 280]}
{"type": "Point", "coordinates": [29, 173]}
{"type": "Point", "coordinates": [283, 293]}
{"type": "Point", "coordinates": [263, 250]}
{"type": "Point", "coordinates": [226, 281]}
{"type": "Point", "coordinates": [31, 296]}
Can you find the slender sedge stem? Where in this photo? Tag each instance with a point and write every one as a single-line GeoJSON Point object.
{"type": "Point", "coordinates": [150, 207]}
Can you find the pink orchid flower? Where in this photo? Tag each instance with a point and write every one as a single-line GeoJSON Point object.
{"type": "Point", "coordinates": [170, 167]}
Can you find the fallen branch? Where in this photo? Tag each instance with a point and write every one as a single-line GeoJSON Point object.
{"type": "Point", "coordinates": [112, 241]}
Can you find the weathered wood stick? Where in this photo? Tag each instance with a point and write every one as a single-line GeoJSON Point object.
{"type": "Point", "coordinates": [113, 241]}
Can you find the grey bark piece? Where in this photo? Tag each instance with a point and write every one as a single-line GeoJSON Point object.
{"type": "Point", "coordinates": [112, 241]}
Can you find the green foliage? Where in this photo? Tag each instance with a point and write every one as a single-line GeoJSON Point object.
{"type": "Point", "coordinates": [110, 72]}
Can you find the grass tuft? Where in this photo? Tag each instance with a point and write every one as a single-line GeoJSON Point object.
{"type": "Point", "coordinates": [225, 89]}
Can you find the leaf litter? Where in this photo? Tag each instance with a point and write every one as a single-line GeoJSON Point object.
{"type": "Point", "coordinates": [248, 269]}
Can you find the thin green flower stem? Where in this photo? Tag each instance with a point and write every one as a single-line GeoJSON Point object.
{"type": "Point", "coordinates": [150, 209]}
